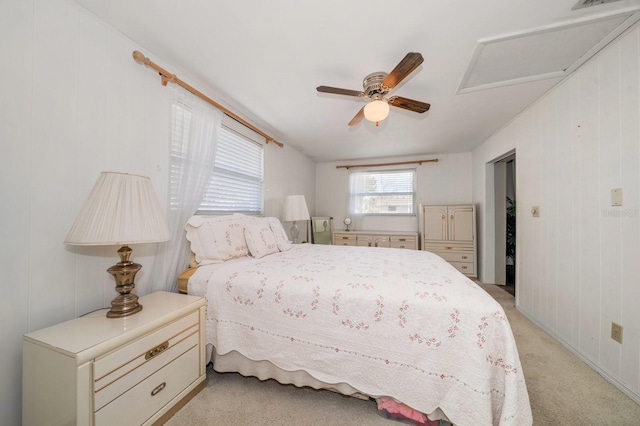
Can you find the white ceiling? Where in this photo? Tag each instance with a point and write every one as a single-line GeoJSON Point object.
{"type": "Point", "coordinates": [264, 60]}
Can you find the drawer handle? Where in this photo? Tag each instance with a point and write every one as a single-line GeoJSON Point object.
{"type": "Point", "coordinates": [157, 350]}
{"type": "Point", "coordinates": [402, 239]}
{"type": "Point", "coordinates": [464, 267]}
{"type": "Point", "coordinates": [158, 388]}
{"type": "Point", "coordinates": [464, 257]}
{"type": "Point", "coordinates": [345, 238]}
{"type": "Point", "coordinates": [448, 248]}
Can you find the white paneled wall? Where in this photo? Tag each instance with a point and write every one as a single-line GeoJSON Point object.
{"type": "Point", "coordinates": [447, 182]}
{"type": "Point", "coordinates": [577, 264]}
{"type": "Point", "coordinates": [288, 172]}
{"type": "Point", "coordinates": [75, 104]}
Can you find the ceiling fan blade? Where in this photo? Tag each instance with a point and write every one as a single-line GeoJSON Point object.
{"type": "Point", "coordinates": [403, 69]}
{"type": "Point", "coordinates": [357, 118]}
{"type": "Point", "coordinates": [409, 104]}
{"type": "Point", "coordinates": [337, 91]}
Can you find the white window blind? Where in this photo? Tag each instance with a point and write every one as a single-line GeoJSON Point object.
{"type": "Point", "coordinates": [236, 183]}
{"type": "Point", "coordinates": [383, 192]}
{"type": "Point", "coordinates": [237, 177]}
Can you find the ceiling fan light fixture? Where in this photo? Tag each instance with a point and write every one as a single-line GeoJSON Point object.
{"type": "Point", "coordinates": [376, 110]}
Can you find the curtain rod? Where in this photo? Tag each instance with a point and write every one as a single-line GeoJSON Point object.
{"type": "Point", "coordinates": [434, 160]}
{"type": "Point", "coordinates": [166, 76]}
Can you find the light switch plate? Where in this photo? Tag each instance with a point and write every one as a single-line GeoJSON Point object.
{"type": "Point", "coordinates": [616, 197]}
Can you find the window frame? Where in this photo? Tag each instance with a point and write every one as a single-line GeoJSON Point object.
{"type": "Point", "coordinates": [353, 195]}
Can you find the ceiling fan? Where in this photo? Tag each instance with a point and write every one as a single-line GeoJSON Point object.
{"type": "Point", "coordinates": [377, 85]}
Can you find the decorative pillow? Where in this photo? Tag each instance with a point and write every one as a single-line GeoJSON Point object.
{"type": "Point", "coordinates": [260, 239]}
{"type": "Point", "coordinates": [278, 231]}
{"type": "Point", "coordinates": [217, 238]}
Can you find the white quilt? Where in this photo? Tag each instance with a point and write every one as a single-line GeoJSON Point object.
{"type": "Point", "coordinates": [389, 322]}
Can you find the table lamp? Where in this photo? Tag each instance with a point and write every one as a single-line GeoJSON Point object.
{"type": "Point", "coordinates": [122, 209]}
{"type": "Point", "coordinates": [295, 208]}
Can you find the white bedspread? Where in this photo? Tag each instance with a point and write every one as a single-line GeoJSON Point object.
{"type": "Point", "coordinates": [390, 322]}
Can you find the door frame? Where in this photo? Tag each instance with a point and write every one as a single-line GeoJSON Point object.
{"type": "Point", "coordinates": [496, 191]}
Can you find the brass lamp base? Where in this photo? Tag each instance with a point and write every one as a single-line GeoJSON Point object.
{"type": "Point", "coordinates": [124, 305]}
{"type": "Point", "coordinates": [124, 273]}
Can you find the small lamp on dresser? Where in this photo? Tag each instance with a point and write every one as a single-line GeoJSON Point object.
{"type": "Point", "coordinates": [122, 209]}
{"type": "Point", "coordinates": [295, 209]}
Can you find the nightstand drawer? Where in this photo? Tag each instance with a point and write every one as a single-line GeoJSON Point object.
{"type": "Point", "coordinates": [149, 396]}
{"type": "Point", "coordinates": [118, 371]}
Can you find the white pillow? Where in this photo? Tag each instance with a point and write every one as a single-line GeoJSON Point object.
{"type": "Point", "coordinates": [278, 231]}
{"type": "Point", "coordinates": [260, 239]}
{"type": "Point", "coordinates": [217, 238]}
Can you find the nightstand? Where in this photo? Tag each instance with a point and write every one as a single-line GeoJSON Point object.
{"type": "Point", "coordinates": [135, 370]}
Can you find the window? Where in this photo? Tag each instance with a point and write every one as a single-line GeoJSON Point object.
{"type": "Point", "coordinates": [385, 192]}
{"type": "Point", "coordinates": [236, 181]}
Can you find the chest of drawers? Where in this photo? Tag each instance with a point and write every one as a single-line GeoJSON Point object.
{"type": "Point", "coordinates": [135, 370]}
{"type": "Point", "coordinates": [450, 232]}
{"type": "Point", "coordinates": [405, 240]}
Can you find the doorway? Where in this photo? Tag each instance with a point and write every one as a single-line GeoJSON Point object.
{"type": "Point", "coordinates": [505, 225]}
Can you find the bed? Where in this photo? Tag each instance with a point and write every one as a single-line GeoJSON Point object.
{"type": "Point", "coordinates": [369, 322]}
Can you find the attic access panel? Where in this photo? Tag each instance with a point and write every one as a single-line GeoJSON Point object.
{"type": "Point", "coordinates": [547, 52]}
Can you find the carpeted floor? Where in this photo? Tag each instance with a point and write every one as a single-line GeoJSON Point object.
{"type": "Point", "coordinates": [562, 389]}
{"type": "Point", "coordinates": [509, 288]}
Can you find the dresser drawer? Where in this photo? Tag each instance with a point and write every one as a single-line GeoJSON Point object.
{"type": "Point", "coordinates": [447, 246]}
{"type": "Point", "coordinates": [465, 268]}
{"type": "Point", "coordinates": [118, 371]}
{"type": "Point", "coordinates": [344, 240]}
{"type": "Point", "coordinates": [407, 242]}
{"type": "Point", "coordinates": [146, 398]}
{"type": "Point", "coordinates": [456, 256]}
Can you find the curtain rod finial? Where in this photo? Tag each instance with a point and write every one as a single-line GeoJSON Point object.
{"type": "Point", "coordinates": [139, 57]}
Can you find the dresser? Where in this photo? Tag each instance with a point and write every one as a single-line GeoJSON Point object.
{"type": "Point", "coordinates": [404, 240]}
{"type": "Point", "coordinates": [135, 370]}
{"type": "Point", "coordinates": [450, 232]}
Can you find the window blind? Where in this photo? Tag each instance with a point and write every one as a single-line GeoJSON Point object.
{"type": "Point", "coordinates": [237, 177]}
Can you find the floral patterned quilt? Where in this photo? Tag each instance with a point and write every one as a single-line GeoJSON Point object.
{"type": "Point", "coordinates": [389, 322]}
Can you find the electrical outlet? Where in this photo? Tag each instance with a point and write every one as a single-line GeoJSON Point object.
{"type": "Point", "coordinates": [616, 332]}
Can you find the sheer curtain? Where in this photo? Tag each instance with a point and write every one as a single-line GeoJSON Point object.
{"type": "Point", "coordinates": [195, 126]}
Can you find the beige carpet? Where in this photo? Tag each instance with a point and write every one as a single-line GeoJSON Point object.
{"type": "Point", "coordinates": [562, 389]}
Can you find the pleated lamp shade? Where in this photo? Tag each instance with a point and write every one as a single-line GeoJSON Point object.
{"type": "Point", "coordinates": [122, 209]}
{"type": "Point", "coordinates": [295, 208]}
